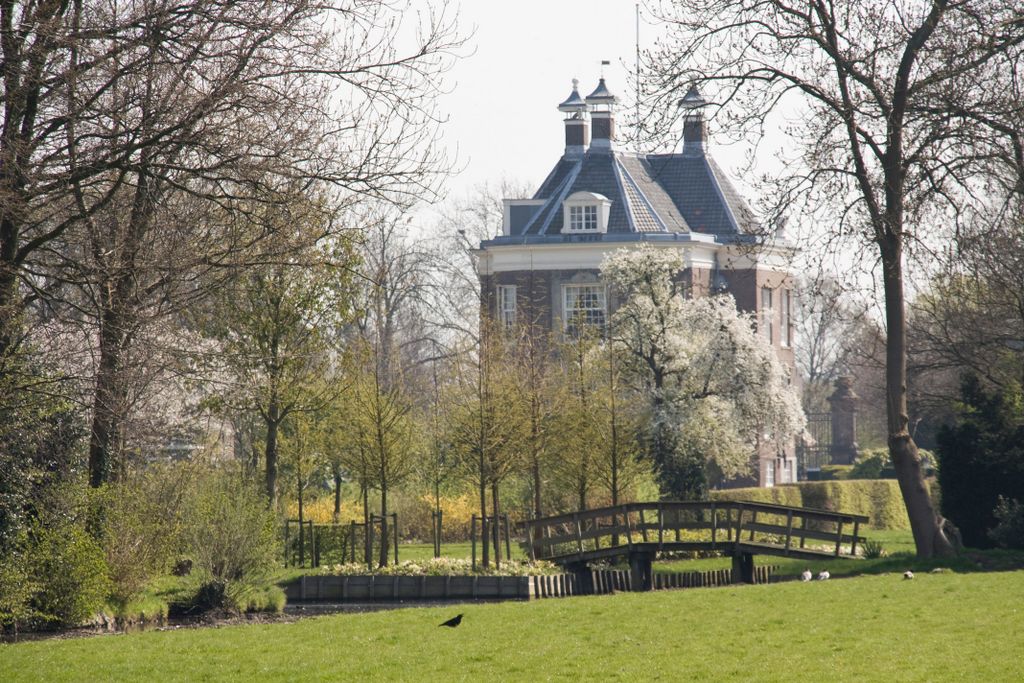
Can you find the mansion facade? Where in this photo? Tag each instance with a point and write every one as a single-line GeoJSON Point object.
{"type": "Point", "coordinates": [544, 267]}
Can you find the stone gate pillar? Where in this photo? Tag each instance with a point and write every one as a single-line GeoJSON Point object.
{"type": "Point", "coordinates": [844, 422]}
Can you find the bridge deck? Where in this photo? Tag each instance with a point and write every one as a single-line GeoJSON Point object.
{"type": "Point", "coordinates": [733, 527]}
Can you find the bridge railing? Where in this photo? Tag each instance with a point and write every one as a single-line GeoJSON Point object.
{"type": "Point", "coordinates": [705, 525]}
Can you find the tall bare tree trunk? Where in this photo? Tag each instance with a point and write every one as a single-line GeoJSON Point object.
{"type": "Point", "coordinates": [105, 439]}
{"type": "Point", "coordinates": [925, 523]}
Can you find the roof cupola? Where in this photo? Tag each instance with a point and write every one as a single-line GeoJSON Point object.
{"type": "Point", "coordinates": [577, 129]}
{"type": "Point", "coordinates": [601, 104]}
{"type": "Point", "coordinates": [695, 132]}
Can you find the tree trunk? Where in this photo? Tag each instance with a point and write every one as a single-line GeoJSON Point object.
{"type": "Point", "coordinates": [535, 473]}
{"type": "Point", "coordinates": [302, 518]}
{"type": "Point", "coordinates": [496, 525]}
{"type": "Point", "coordinates": [383, 562]}
{"type": "Point", "coordinates": [273, 421]}
{"type": "Point", "coordinates": [337, 494]}
{"type": "Point", "coordinates": [105, 439]}
{"type": "Point", "coordinates": [926, 524]}
{"type": "Point", "coordinates": [367, 547]}
{"type": "Point", "coordinates": [485, 542]}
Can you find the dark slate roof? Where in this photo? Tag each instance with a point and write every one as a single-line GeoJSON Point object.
{"type": "Point", "coordinates": [658, 193]}
{"type": "Point", "coordinates": [602, 93]}
{"type": "Point", "coordinates": [574, 102]}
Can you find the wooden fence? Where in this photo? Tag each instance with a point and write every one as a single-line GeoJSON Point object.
{"type": "Point", "coordinates": [370, 588]}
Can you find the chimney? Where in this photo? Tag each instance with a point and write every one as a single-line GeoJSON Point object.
{"type": "Point", "coordinates": [695, 132]}
{"type": "Point", "coordinates": [602, 103]}
{"type": "Point", "coordinates": [577, 130]}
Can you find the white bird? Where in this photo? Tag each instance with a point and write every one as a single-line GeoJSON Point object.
{"type": "Point", "coordinates": [908, 574]}
{"type": "Point", "coordinates": [807, 575]}
{"type": "Point", "coordinates": [824, 576]}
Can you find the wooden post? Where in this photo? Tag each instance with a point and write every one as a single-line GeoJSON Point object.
{"type": "Point", "coordinates": [803, 530]}
{"type": "Point", "coordinates": [743, 568]}
{"type": "Point", "coordinates": [661, 525]}
{"type": "Point", "coordinates": [714, 524]}
{"type": "Point", "coordinates": [753, 520]}
{"type": "Point", "coordinates": [739, 525]}
{"type": "Point", "coordinates": [839, 536]}
{"type": "Point", "coordinates": [789, 530]}
{"type": "Point", "coordinates": [856, 532]}
{"type": "Point", "coordinates": [579, 531]}
{"type": "Point", "coordinates": [643, 526]}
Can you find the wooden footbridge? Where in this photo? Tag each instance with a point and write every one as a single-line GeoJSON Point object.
{"type": "Point", "coordinates": [637, 531]}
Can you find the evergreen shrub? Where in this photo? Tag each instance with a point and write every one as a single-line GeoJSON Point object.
{"type": "Point", "coordinates": [981, 458]}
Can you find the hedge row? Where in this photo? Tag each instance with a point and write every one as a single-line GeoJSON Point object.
{"type": "Point", "coordinates": [879, 499]}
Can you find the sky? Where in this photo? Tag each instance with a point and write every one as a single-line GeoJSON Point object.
{"type": "Point", "coordinates": [520, 63]}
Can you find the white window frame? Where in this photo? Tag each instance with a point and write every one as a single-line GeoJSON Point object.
{"type": "Point", "coordinates": [767, 314]}
{"type": "Point", "coordinates": [571, 294]}
{"type": "Point", "coordinates": [785, 326]}
{"type": "Point", "coordinates": [583, 218]}
{"type": "Point", "coordinates": [585, 213]}
{"type": "Point", "coordinates": [769, 474]}
{"type": "Point", "coordinates": [505, 305]}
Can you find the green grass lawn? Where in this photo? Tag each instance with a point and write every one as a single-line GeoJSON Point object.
{"type": "Point", "coordinates": [937, 627]}
{"type": "Point", "coordinates": [424, 551]}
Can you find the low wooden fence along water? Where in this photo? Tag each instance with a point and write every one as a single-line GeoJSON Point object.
{"type": "Point", "coordinates": [370, 588]}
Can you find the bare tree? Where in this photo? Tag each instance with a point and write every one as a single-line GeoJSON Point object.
{"type": "Point", "coordinates": [112, 113]}
{"type": "Point", "coordinates": [825, 319]}
{"type": "Point", "coordinates": [876, 137]}
{"type": "Point", "coordinates": [272, 332]}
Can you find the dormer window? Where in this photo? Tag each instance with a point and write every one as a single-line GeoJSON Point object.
{"type": "Point", "coordinates": [586, 212]}
{"type": "Point", "coordinates": [583, 218]}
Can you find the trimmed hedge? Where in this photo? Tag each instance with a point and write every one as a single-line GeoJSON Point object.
{"type": "Point", "coordinates": [879, 499]}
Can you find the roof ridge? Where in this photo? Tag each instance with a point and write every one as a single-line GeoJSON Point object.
{"type": "Point", "coordinates": [558, 192]}
{"type": "Point", "coordinates": [621, 169]}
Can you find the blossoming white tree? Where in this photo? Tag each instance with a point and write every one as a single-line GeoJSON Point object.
{"type": "Point", "coordinates": [716, 391]}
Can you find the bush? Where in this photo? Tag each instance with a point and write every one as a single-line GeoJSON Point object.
{"type": "Point", "coordinates": [141, 531]}
{"type": "Point", "coordinates": [981, 458]}
{"type": "Point", "coordinates": [72, 575]}
{"type": "Point", "coordinates": [870, 464]}
{"type": "Point", "coordinates": [1009, 532]}
{"type": "Point", "coordinates": [17, 586]}
{"type": "Point", "coordinates": [872, 550]}
{"type": "Point", "coordinates": [231, 538]}
{"type": "Point", "coordinates": [879, 499]}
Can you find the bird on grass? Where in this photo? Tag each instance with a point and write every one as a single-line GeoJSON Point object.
{"type": "Point", "coordinates": [908, 574]}
{"type": "Point", "coordinates": [824, 576]}
{"type": "Point", "coordinates": [453, 622]}
{"type": "Point", "coordinates": [807, 575]}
